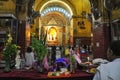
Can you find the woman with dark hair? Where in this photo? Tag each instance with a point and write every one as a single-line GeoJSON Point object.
{"type": "Point", "coordinates": [29, 58]}
{"type": "Point", "coordinates": [111, 70]}
{"type": "Point", "coordinates": [53, 55]}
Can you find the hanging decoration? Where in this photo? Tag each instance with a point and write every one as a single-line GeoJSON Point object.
{"type": "Point", "coordinates": [81, 23]}
{"type": "Point", "coordinates": [96, 14]}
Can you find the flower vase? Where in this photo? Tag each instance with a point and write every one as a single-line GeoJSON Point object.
{"type": "Point", "coordinates": [40, 68]}
{"type": "Point", "coordinates": [7, 66]}
{"type": "Point", "coordinates": [72, 63]}
{"type": "Point", "coordinates": [72, 68]}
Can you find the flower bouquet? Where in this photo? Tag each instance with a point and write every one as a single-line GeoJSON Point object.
{"type": "Point", "coordinates": [9, 51]}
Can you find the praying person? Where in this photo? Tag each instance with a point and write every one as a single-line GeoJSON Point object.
{"type": "Point", "coordinates": [53, 55]}
{"type": "Point", "coordinates": [29, 58]}
{"type": "Point", "coordinates": [110, 71]}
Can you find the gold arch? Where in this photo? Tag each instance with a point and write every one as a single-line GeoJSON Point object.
{"type": "Point", "coordinates": [41, 5]}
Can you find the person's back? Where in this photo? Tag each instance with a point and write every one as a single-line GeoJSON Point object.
{"type": "Point", "coordinates": [29, 57]}
{"type": "Point", "coordinates": [111, 70]}
{"type": "Point", "coordinates": [114, 69]}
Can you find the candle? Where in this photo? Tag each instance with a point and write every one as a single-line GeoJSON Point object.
{"type": "Point", "coordinates": [88, 58]}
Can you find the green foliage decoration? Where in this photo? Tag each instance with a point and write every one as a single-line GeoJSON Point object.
{"type": "Point", "coordinates": [10, 49]}
{"type": "Point", "coordinates": [39, 46]}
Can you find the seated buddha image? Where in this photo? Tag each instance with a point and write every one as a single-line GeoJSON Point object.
{"type": "Point", "coordinates": [52, 34]}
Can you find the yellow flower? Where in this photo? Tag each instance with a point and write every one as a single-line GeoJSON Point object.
{"type": "Point", "coordinates": [9, 39]}
{"type": "Point", "coordinates": [9, 35]}
{"type": "Point", "coordinates": [18, 47]}
{"type": "Point", "coordinates": [10, 49]}
{"type": "Point", "coordinates": [92, 70]}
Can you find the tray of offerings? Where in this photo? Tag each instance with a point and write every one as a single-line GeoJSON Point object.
{"type": "Point", "coordinates": [58, 74]}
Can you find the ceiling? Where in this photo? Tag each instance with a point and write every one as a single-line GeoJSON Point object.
{"type": "Point", "coordinates": [76, 5]}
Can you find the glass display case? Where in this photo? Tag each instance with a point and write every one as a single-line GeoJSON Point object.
{"type": "Point", "coordinates": [8, 23]}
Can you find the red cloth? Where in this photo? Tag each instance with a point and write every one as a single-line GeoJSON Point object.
{"type": "Point", "coordinates": [34, 75]}
{"type": "Point", "coordinates": [85, 55]}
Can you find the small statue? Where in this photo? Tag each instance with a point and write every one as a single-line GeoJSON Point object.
{"type": "Point", "coordinates": [18, 60]}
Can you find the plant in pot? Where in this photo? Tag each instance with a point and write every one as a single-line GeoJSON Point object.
{"type": "Point", "coordinates": [9, 51]}
{"type": "Point", "coordinates": [40, 50]}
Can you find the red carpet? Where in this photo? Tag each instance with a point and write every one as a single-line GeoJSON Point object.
{"type": "Point", "coordinates": [34, 75]}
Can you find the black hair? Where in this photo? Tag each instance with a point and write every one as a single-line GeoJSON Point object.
{"type": "Point", "coordinates": [69, 47]}
{"type": "Point", "coordinates": [29, 49]}
{"type": "Point", "coordinates": [72, 48]}
{"type": "Point", "coordinates": [115, 47]}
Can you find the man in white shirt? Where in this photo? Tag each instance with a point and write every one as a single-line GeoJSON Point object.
{"type": "Point", "coordinates": [111, 70]}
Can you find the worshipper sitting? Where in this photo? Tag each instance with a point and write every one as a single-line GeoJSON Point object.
{"type": "Point", "coordinates": [29, 58]}
{"type": "Point", "coordinates": [110, 71]}
{"type": "Point", "coordinates": [45, 63]}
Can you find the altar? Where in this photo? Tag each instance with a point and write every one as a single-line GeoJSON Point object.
{"type": "Point", "coordinates": [34, 75]}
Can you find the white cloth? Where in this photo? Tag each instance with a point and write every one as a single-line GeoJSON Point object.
{"type": "Point", "coordinates": [99, 61]}
{"type": "Point", "coordinates": [109, 71]}
{"type": "Point", "coordinates": [29, 58]}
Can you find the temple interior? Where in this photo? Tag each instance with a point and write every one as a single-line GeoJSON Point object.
{"type": "Point", "coordinates": [86, 25]}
